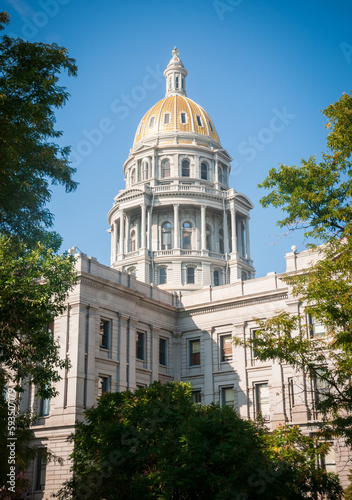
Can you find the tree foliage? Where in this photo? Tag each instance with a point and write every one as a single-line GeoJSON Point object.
{"type": "Point", "coordinates": [317, 197]}
{"type": "Point", "coordinates": [29, 158]}
{"type": "Point", "coordinates": [34, 285]}
{"type": "Point", "coordinates": [155, 443]}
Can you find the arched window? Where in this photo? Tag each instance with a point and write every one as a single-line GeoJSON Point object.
{"type": "Point", "coordinates": [185, 168]}
{"type": "Point", "coordinates": [220, 175]}
{"type": "Point", "coordinates": [190, 275]}
{"type": "Point", "coordinates": [145, 170]}
{"type": "Point", "coordinates": [133, 176]}
{"type": "Point", "coordinates": [162, 276]}
{"type": "Point", "coordinates": [165, 168]}
{"type": "Point", "coordinates": [216, 277]}
{"type": "Point", "coordinates": [221, 241]}
{"type": "Point", "coordinates": [133, 241]}
{"type": "Point", "coordinates": [187, 236]}
{"type": "Point", "coordinates": [204, 171]}
{"type": "Point", "coordinates": [166, 236]}
{"type": "Point", "coordinates": [208, 237]}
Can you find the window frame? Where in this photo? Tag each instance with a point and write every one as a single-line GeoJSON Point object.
{"type": "Point", "coordinates": [259, 400]}
{"type": "Point", "coordinates": [162, 352]}
{"type": "Point", "coordinates": [166, 229]}
{"type": "Point", "coordinates": [140, 345]}
{"type": "Point", "coordinates": [168, 115]}
{"type": "Point", "coordinates": [183, 115]}
{"type": "Point", "coordinates": [199, 121]}
{"type": "Point", "coordinates": [202, 171]}
{"type": "Point", "coordinates": [151, 121]}
{"type": "Point", "coordinates": [225, 358]}
{"type": "Point", "coordinates": [185, 170]}
{"type": "Point", "coordinates": [190, 276]}
{"type": "Point", "coordinates": [224, 391]}
{"type": "Point", "coordinates": [104, 384]}
{"type": "Point", "coordinates": [216, 277]}
{"type": "Point", "coordinates": [105, 335]}
{"type": "Point", "coordinates": [197, 396]}
{"type": "Point", "coordinates": [40, 473]}
{"type": "Point", "coordinates": [165, 172]}
{"type": "Point", "coordinates": [194, 356]}
{"type": "Point", "coordinates": [162, 275]}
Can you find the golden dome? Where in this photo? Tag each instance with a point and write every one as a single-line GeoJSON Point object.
{"type": "Point", "coordinates": [176, 113]}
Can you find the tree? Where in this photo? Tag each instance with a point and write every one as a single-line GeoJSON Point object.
{"type": "Point", "coordinates": [317, 198]}
{"type": "Point", "coordinates": [156, 443]}
{"type": "Point", "coordinates": [29, 158]}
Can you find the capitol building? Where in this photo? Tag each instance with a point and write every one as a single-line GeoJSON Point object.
{"type": "Point", "coordinates": [180, 288]}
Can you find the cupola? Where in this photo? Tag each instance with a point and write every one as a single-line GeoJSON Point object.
{"type": "Point", "coordinates": [175, 75]}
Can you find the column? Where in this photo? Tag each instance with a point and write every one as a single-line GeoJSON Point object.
{"type": "Point", "coordinates": [143, 225]}
{"type": "Point", "coordinates": [149, 225]}
{"type": "Point", "coordinates": [216, 177]}
{"type": "Point", "coordinates": [233, 227]}
{"type": "Point", "coordinates": [203, 230]}
{"type": "Point", "coordinates": [128, 234]}
{"type": "Point", "coordinates": [114, 239]}
{"type": "Point", "coordinates": [248, 246]}
{"type": "Point", "coordinates": [176, 226]}
{"type": "Point", "coordinates": [122, 233]}
{"type": "Point", "coordinates": [226, 236]}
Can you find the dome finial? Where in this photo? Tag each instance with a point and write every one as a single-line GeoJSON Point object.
{"type": "Point", "coordinates": [175, 74]}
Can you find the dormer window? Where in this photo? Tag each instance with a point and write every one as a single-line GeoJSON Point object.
{"type": "Point", "coordinates": [199, 121]}
{"type": "Point", "coordinates": [211, 126]}
{"type": "Point", "coordinates": [151, 122]}
{"type": "Point", "coordinates": [166, 118]}
{"type": "Point", "coordinates": [183, 118]}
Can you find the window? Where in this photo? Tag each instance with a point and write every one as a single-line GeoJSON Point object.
{"type": "Point", "coordinates": [162, 276]}
{"type": "Point", "coordinates": [183, 118]}
{"type": "Point", "coordinates": [194, 351]}
{"type": "Point", "coordinates": [166, 118]}
{"type": "Point", "coordinates": [262, 400]}
{"type": "Point", "coordinates": [176, 81]}
{"type": "Point", "coordinates": [187, 236]}
{"type": "Point", "coordinates": [316, 328]}
{"type": "Point", "coordinates": [166, 236]}
{"type": "Point", "coordinates": [226, 348]}
{"type": "Point", "coordinates": [320, 386]}
{"type": "Point", "coordinates": [103, 385]}
{"type": "Point", "coordinates": [244, 276]}
{"type": "Point", "coordinates": [197, 396]}
{"type": "Point", "coordinates": [254, 351]}
{"type": "Point", "coordinates": [140, 345]}
{"type": "Point", "coordinates": [151, 122]}
{"type": "Point", "coordinates": [329, 461]}
{"type": "Point", "coordinates": [162, 352]}
{"type": "Point", "coordinates": [227, 396]}
{"type": "Point", "coordinates": [165, 168]}
{"type": "Point", "coordinates": [216, 277]}
{"type": "Point", "coordinates": [133, 176]}
{"type": "Point", "coordinates": [199, 121]}
{"type": "Point", "coordinates": [44, 407]}
{"type": "Point", "coordinates": [145, 170]}
{"type": "Point", "coordinates": [40, 473]}
{"type": "Point", "coordinates": [190, 275]}
{"type": "Point", "coordinates": [208, 237]}
{"type": "Point", "coordinates": [211, 126]}
{"type": "Point", "coordinates": [291, 392]}
{"type": "Point", "coordinates": [104, 334]}
{"type": "Point", "coordinates": [204, 171]}
{"type": "Point", "coordinates": [221, 241]}
{"type": "Point", "coordinates": [185, 168]}
{"type": "Point", "coordinates": [133, 241]}
{"type": "Point", "coordinates": [220, 175]}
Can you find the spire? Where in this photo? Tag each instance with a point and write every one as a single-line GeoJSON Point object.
{"type": "Point", "coordinates": [175, 75]}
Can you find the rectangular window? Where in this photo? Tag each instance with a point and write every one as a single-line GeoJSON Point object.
{"type": "Point", "coordinates": [44, 407]}
{"type": "Point", "coordinates": [103, 385]}
{"type": "Point", "coordinates": [262, 400]}
{"type": "Point", "coordinates": [199, 121]}
{"type": "Point", "coordinates": [316, 329]}
{"type": "Point", "coordinates": [329, 461]}
{"type": "Point", "coordinates": [190, 275]}
{"type": "Point", "coordinates": [254, 351]}
{"type": "Point", "coordinates": [166, 118]}
{"type": "Point", "coordinates": [183, 117]}
{"type": "Point", "coordinates": [320, 387]}
{"type": "Point", "coordinates": [197, 396]}
{"type": "Point", "coordinates": [227, 396]}
{"type": "Point", "coordinates": [162, 276]}
{"type": "Point", "coordinates": [291, 392]}
{"type": "Point", "coordinates": [226, 347]}
{"type": "Point", "coordinates": [162, 352]}
{"type": "Point", "coordinates": [140, 345]}
{"type": "Point", "coordinates": [104, 331]}
{"type": "Point", "coordinates": [40, 473]}
{"type": "Point", "coordinates": [194, 349]}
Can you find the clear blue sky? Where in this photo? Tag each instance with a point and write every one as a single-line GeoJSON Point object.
{"type": "Point", "coordinates": [248, 62]}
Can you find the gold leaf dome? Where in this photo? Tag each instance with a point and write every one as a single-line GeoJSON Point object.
{"type": "Point", "coordinates": [176, 116]}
